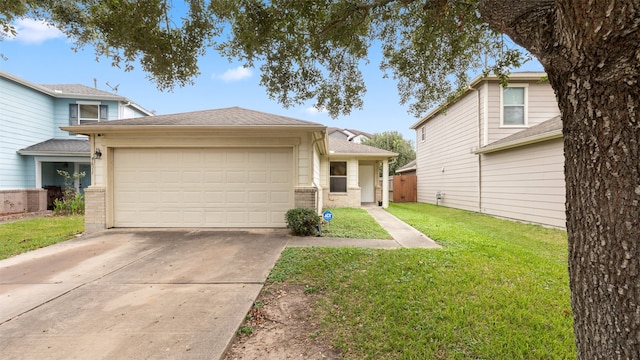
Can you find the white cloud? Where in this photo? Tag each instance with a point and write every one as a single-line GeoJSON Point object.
{"type": "Point", "coordinates": [313, 111]}
{"type": "Point", "coordinates": [236, 74]}
{"type": "Point", "coordinates": [34, 31]}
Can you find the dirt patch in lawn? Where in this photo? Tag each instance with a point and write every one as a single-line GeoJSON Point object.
{"type": "Point", "coordinates": [283, 324]}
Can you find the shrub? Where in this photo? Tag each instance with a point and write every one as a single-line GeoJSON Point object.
{"type": "Point", "coordinates": [303, 222]}
{"type": "Point", "coordinates": [72, 202]}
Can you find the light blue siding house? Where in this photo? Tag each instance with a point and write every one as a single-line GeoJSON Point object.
{"type": "Point", "coordinates": [32, 146]}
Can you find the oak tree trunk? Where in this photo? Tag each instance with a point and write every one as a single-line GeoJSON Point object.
{"type": "Point", "coordinates": [602, 172]}
{"type": "Point", "coordinates": [591, 52]}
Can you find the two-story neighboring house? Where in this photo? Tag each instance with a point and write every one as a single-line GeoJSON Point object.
{"type": "Point", "coordinates": [495, 150]}
{"type": "Point", "coordinates": [355, 136]}
{"type": "Point", "coordinates": [32, 146]}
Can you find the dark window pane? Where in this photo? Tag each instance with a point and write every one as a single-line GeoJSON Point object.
{"type": "Point", "coordinates": [338, 184]}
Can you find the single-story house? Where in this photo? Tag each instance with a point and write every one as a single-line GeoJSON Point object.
{"type": "Point", "coordinates": [229, 167]}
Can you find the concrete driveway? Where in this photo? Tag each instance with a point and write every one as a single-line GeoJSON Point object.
{"type": "Point", "coordinates": [139, 294]}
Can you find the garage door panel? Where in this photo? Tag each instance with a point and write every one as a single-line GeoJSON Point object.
{"type": "Point", "coordinates": [236, 177]}
{"type": "Point", "coordinates": [259, 198]}
{"type": "Point", "coordinates": [202, 187]}
{"type": "Point", "coordinates": [258, 177]}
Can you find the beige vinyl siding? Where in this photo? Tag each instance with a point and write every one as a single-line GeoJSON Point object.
{"type": "Point", "coordinates": [541, 106]}
{"type": "Point", "coordinates": [542, 103]}
{"type": "Point", "coordinates": [305, 159]}
{"type": "Point", "coordinates": [526, 183]}
{"type": "Point", "coordinates": [450, 138]}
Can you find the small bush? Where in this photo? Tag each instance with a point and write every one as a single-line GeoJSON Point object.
{"type": "Point", "coordinates": [303, 222]}
{"type": "Point", "coordinates": [72, 202]}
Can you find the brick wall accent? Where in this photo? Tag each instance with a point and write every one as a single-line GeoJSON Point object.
{"type": "Point", "coordinates": [23, 201]}
{"type": "Point", "coordinates": [36, 200]}
{"type": "Point", "coordinates": [305, 198]}
{"type": "Point", "coordinates": [352, 198]}
{"type": "Point", "coordinates": [95, 209]}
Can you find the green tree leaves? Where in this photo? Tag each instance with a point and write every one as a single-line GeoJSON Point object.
{"type": "Point", "coordinates": [393, 141]}
{"type": "Point", "coordinates": [305, 50]}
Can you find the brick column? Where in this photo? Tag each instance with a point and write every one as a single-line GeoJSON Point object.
{"type": "Point", "coordinates": [95, 209]}
{"type": "Point", "coordinates": [36, 200]}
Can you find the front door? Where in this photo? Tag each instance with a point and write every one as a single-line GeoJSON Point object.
{"type": "Point", "coordinates": [367, 185]}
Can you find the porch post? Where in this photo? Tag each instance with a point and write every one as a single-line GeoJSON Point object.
{"type": "Point", "coordinates": [38, 173]}
{"type": "Point", "coordinates": [385, 183]}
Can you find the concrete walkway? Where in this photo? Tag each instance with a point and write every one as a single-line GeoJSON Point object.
{"type": "Point", "coordinates": [404, 236]}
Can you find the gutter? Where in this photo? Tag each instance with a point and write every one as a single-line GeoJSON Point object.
{"type": "Point", "coordinates": [53, 153]}
{"type": "Point", "coordinates": [106, 129]}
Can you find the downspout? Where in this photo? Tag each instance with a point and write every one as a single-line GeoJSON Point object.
{"type": "Point", "coordinates": [479, 128]}
{"type": "Point", "coordinates": [319, 205]}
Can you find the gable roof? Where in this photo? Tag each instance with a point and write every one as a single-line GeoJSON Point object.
{"type": "Point", "coordinates": [348, 133]}
{"type": "Point", "coordinates": [345, 147]}
{"type": "Point", "coordinates": [358, 132]}
{"type": "Point", "coordinates": [75, 91]}
{"type": "Point", "coordinates": [547, 130]}
{"type": "Point", "coordinates": [58, 147]}
{"type": "Point", "coordinates": [233, 117]}
{"type": "Point", "coordinates": [516, 76]}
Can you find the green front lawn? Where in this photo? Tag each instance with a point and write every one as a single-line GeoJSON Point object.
{"type": "Point", "coordinates": [353, 223]}
{"type": "Point", "coordinates": [497, 290]}
{"type": "Point", "coordinates": [25, 235]}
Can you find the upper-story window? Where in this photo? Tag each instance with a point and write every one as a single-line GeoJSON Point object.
{"type": "Point", "coordinates": [338, 176]}
{"type": "Point", "coordinates": [514, 106]}
{"type": "Point", "coordinates": [423, 133]}
{"type": "Point", "coordinates": [87, 113]}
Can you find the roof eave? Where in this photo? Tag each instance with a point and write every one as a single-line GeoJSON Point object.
{"type": "Point", "coordinates": [95, 129]}
{"type": "Point", "coordinates": [53, 153]}
{"type": "Point", "coordinates": [400, 171]}
{"type": "Point", "coordinates": [555, 134]}
{"type": "Point", "coordinates": [362, 155]}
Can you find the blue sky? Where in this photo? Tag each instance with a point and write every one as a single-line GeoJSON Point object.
{"type": "Point", "coordinates": [43, 55]}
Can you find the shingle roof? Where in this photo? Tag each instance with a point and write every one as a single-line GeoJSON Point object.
{"type": "Point", "coordinates": [410, 166]}
{"type": "Point", "coordinates": [339, 146]}
{"type": "Point", "coordinates": [233, 116]}
{"type": "Point", "coordinates": [78, 89]}
{"type": "Point", "coordinates": [551, 128]}
{"type": "Point", "coordinates": [358, 132]}
{"type": "Point", "coordinates": [57, 146]}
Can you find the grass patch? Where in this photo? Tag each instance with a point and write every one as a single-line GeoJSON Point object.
{"type": "Point", "coordinates": [26, 235]}
{"type": "Point", "coordinates": [497, 290]}
{"type": "Point", "coordinates": [355, 224]}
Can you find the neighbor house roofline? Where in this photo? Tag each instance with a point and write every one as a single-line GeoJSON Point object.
{"type": "Point", "coordinates": [339, 148]}
{"type": "Point", "coordinates": [518, 76]}
{"type": "Point", "coordinates": [59, 94]}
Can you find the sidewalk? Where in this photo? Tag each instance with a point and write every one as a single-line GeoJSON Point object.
{"type": "Point", "coordinates": [404, 236]}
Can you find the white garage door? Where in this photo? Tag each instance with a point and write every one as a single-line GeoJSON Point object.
{"type": "Point", "coordinates": [202, 187]}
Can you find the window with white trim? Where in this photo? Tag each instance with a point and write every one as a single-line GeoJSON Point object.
{"type": "Point", "coordinates": [514, 106]}
{"type": "Point", "coordinates": [87, 113]}
{"type": "Point", "coordinates": [423, 133]}
{"type": "Point", "coordinates": [338, 176]}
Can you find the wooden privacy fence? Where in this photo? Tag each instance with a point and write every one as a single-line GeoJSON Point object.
{"type": "Point", "coordinates": [405, 188]}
